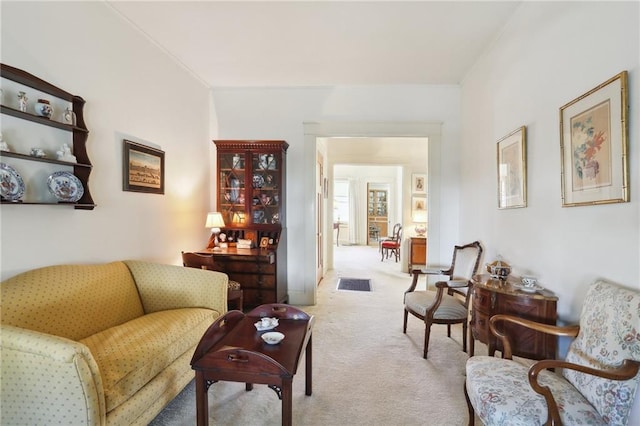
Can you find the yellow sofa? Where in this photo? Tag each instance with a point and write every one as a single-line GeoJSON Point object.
{"type": "Point", "coordinates": [101, 344]}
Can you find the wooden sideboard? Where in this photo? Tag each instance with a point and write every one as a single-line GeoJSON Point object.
{"type": "Point", "coordinates": [493, 296]}
{"type": "Point", "coordinates": [257, 272]}
{"type": "Point", "coordinates": [417, 252]}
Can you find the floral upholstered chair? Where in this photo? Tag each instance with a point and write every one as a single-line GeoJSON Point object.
{"type": "Point", "coordinates": [599, 376]}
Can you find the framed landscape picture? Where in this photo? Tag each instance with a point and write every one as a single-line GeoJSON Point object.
{"type": "Point", "coordinates": [512, 170]}
{"type": "Point", "coordinates": [594, 145]}
{"type": "Point", "coordinates": [143, 168]}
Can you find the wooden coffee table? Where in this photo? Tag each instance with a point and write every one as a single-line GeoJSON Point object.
{"type": "Point", "coordinates": [232, 350]}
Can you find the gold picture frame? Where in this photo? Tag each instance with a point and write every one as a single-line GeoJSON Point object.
{"type": "Point", "coordinates": [594, 145]}
{"type": "Point", "coordinates": [264, 242]}
{"type": "Point", "coordinates": [512, 169]}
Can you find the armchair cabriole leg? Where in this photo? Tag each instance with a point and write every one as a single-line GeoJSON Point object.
{"type": "Point", "coordinates": [472, 413]}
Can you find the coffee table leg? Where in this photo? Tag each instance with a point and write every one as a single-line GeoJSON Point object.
{"type": "Point", "coordinates": [202, 408]}
{"type": "Point", "coordinates": [307, 367]}
{"type": "Point", "coordinates": [287, 402]}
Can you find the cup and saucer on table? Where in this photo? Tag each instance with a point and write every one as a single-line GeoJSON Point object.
{"type": "Point", "coordinates": [272, 337]}
{"type": "Point", "coordinates": [266, 323]}
{"type": "Point", "coordinates": [528, 285]}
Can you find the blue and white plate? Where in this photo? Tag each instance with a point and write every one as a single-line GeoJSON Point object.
{"type": "Point", "coordinates": [65, 186]}
{"type": "Point", "coordinates": [258, 181]}
{"type": "Point", "coordinates": [11, 183]}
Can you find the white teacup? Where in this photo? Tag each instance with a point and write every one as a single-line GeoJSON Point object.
{"type": "Point", "coordinates": [529, 281]}
{"type": "Point", "coordinates": [269, 322]}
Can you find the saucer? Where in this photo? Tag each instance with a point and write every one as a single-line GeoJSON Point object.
{"type": "Point", "coordinates": [273, 337]}
{"type": "Point", "coordinates": [531, 289]}
{"type": "Point", "coordinates": [260, 327]}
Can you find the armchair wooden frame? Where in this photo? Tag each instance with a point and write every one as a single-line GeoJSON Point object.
{"type": "Point", "coordinates": [456, 286]}
{"type": "Point", "coordinates": [206, 261]}
{"type": "Point", "coordinates": [392, 246]}
{"type": "Point", "coordinates": [627, 370]}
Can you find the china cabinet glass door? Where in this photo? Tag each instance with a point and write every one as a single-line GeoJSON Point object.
{"type": "Point", "coordinates": [232, 188]}
{"type": "Point", "coordinates": [265, 182]}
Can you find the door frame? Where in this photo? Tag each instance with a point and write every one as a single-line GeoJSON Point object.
{"type": "Point", "coordinates": [314, 130]}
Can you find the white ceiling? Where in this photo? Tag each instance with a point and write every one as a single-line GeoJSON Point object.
{"type": "Point", "coordinates": [321, 43]}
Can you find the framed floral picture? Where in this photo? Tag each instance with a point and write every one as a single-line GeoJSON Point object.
{"type": "Point", "coordinates": [594, 146]}
{"type": "Point", "coordinates": [512, 170]}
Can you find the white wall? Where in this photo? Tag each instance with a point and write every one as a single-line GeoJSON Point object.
{"type": "Point", "coordinates": [134, 90]}
{"type": "Point", "coordinates": [549, 54]}
{"type": "Point", "coordinates": [281, 113]}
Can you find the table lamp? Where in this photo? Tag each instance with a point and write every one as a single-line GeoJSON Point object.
{"type": "Point", "coordinates": [420, 218]}
{"type": "Point", "coordinates": [215, 222]}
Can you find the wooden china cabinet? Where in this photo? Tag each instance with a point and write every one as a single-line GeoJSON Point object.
{"type": "Point", "coordinates": [251, 177]}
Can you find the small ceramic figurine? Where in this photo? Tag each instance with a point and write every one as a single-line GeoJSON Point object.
{"type": "Point", "coordinates": [22, 100]}
{"type": "Point", "coordinates": [69, 116]}
{"type": "Point", "coordinates": [65, 154]}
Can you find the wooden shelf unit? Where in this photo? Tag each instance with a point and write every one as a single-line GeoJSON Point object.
{"type": "Point", "coordinates": [81, 169]}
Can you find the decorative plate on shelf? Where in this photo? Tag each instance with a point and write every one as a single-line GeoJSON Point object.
{"type": "Point", "coordinates": [65, 186]}
{"type": "Point", "coordinates": [11, 183]}
{"type": "Point", "coordinates": [258, 181]}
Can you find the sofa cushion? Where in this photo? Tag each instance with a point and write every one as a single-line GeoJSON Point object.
{"type": "Point", "coordinates": [72, 301]}
{"type": "Point", "coordinates": [131, 354]}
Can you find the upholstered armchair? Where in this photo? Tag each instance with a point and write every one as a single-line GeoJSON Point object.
{"type": "Point", "coordinates": [599, 376]}
{"type": "Point", "coordinates": [449, 303]}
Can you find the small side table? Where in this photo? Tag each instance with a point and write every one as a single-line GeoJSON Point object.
{"type": "Point", "coordinates": [493, 296]}
{"type": "Point", "coordinates": [417, 252]}
{"type": "Point", "coordinates": [232, 350]}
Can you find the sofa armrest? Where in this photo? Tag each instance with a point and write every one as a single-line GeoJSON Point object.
{"type": "Point", "coordinates": [162, 287]}
{"type": "Point", "coordinates": [48, 379]}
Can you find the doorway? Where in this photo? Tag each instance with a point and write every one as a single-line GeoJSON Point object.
{"type": "Point", "coordinates": [329, 137]}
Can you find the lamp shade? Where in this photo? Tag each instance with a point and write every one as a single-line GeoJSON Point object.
{"type": "Point", "coordinates": [420, 216]}
{"type": "Point", "coordinates": [214, 220]}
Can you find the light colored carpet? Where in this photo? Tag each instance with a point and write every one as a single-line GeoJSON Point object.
{"type": "Point", "coordinates": [365, 370]}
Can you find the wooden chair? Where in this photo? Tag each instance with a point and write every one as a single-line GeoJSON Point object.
{"type": "Point", "coordinates": [599, 374]}
{"type": "Point", "coordinates": [449, 303]}
{"type": "Point", "coordinates": [396, 228]}
{"type": "Point", "coordinates": [206, 261]}
{"type": "Point", "coordinates": [392, 246]}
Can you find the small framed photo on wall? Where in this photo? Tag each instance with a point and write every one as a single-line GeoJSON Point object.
{"type": "Point", "coordinates": [419, 183]}
{"type": "Point", "coordinates": [512, 170]}
{"type": "Point", "coordinates": [264, 242]}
